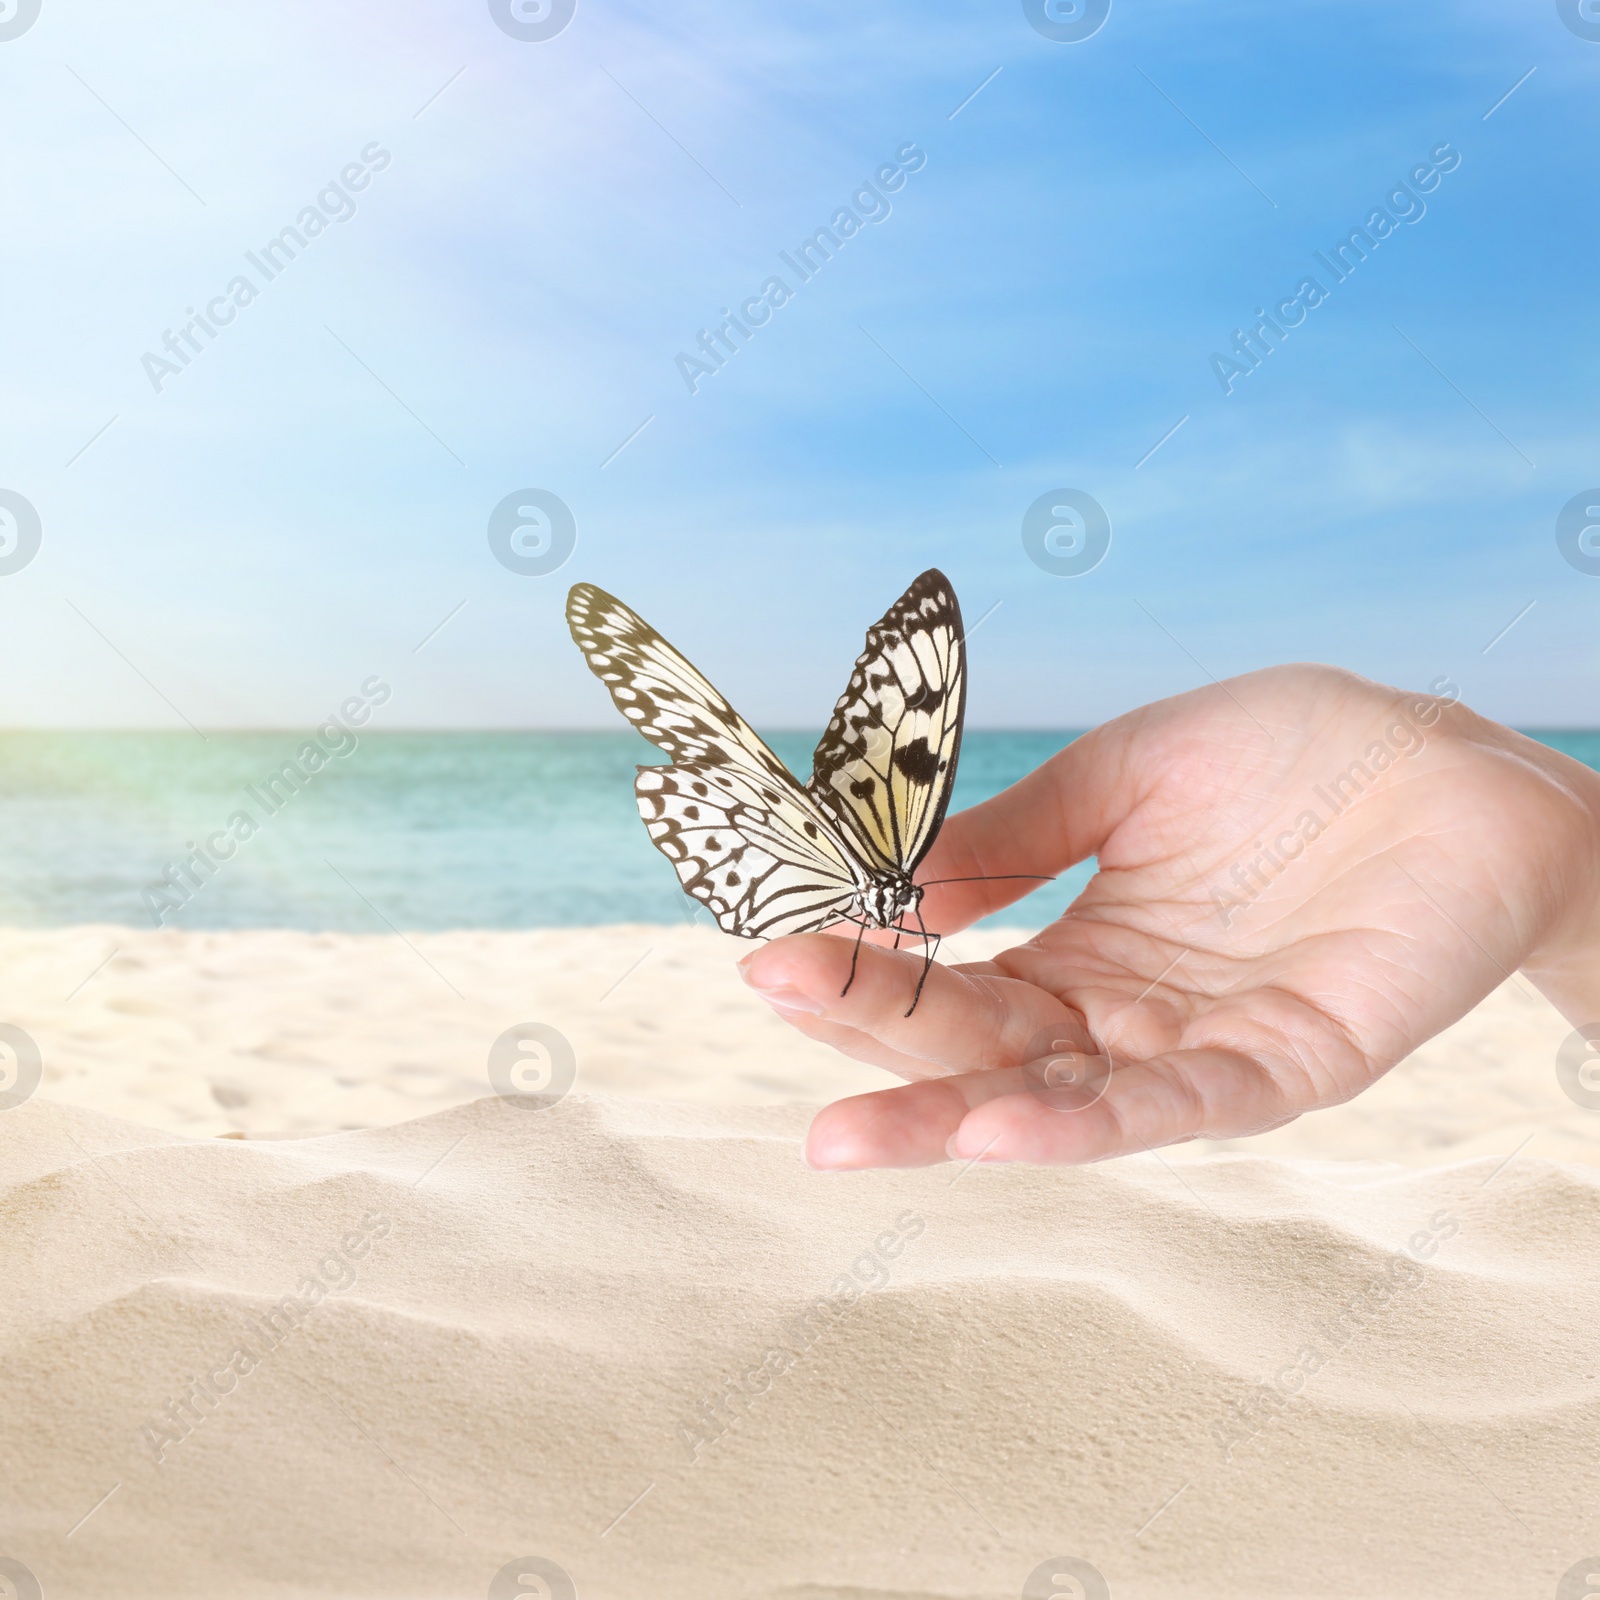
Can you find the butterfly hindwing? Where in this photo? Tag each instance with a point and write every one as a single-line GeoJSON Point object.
{"type": "Point", "coordinates": [751, 847]}
{"type": "Point", "coordinates": [657, 690]}
{"type": "Point", "coordinates": [886, 763]}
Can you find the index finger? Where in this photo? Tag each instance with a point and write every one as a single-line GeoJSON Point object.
{"type": "Point", "coordinates": [963, 1019]}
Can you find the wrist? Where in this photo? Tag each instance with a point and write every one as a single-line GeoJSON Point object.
{"type": "Point", "coordinates": [1565, 966]}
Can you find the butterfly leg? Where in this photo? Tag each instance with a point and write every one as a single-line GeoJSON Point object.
{"type": "Point", "coordinates": [855, 955]}
{"type": "Point", "coordinates": [930, 948]}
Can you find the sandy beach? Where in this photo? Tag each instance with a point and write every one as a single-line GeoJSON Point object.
{"type": "Point", "coordinates": [262, 1032]}
{"type": "Point", "coordinates": [407, 1338]}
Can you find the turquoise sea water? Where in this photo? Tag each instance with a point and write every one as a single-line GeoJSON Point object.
{"type": "Point", "coordinates": [429, 830]}
{"type": "Point", "coordinates": [424, 830]}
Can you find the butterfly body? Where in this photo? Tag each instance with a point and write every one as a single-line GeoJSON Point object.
{"type": "Point", "coordinates": [889, 899]}
{"type": "Point", "coordinates": [765, 854]}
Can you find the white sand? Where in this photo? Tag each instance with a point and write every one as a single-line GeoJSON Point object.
{"type": "Point", "coordinates": [1206, 1375]}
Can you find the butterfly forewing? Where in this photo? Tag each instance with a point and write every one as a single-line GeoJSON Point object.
{"type": "Point", "coordinates": [657, 690]}
{"type": "Point", "coordinates": [746, 840]}
{"type": "Point", "coordinates": [886, 763]}
{"type": "Point", "coordinates": [752, 847]}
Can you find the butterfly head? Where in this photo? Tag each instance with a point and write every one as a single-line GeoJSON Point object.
{"type": "Point", "coordinates": [889, 897]}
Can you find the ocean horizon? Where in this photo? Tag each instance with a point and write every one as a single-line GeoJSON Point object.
{"type": "Point", "coordinates": [392, 830]}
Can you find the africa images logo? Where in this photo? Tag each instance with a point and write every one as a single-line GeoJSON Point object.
{"type": "Point", "coordinates": [869, 203]}
{"type": "Point", "coordinates": [334, 202]}
{"type": "Point", "coordinates": [1402, 204]}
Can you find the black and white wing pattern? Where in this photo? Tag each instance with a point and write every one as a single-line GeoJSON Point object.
{"type": "Point", "coordinates": [886, 763]}
{"type": "Point", "coordinates": [743, 836]}
{"type": "Point", "coordinates": [753, 849]}
{"type": "Point", "coordinates": [657, 690]}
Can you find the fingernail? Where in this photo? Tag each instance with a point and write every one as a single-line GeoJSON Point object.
{"type": "Point", "coordinates": [789, 1000]}
{"type": "Point", "coordinates": [780, 996]}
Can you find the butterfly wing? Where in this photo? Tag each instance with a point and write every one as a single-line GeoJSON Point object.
{"type": "Point", "coordinates": [887, 762]}
{"type": "Point", "coordinates": [755, 850]}
{"type": "Point", "coordinates": [658, 691]}
{"type": "Point", "coordinates": [745, 839]}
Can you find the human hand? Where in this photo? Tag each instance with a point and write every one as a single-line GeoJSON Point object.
{"type": "Point", "coordinates": [1302, 876]}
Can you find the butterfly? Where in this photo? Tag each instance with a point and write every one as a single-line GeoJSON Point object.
{"type": "Point", "coordinates": [764, 853]}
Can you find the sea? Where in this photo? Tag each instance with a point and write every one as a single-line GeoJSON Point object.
{"type": "Point", "coordinates": [403, 831]}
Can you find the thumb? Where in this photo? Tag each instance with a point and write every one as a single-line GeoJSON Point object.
{"type": "Point", "coordinates": [1057, 816]}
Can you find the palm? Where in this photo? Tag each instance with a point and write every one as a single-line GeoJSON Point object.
{"type": "Point", "coordinates": [1302, 876]}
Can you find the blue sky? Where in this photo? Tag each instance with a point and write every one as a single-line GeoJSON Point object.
{"type": "Point", "coordinates": [301, 505]}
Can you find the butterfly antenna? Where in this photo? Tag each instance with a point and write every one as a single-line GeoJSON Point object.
{"type": "Point", "coordinates": [991, 877]}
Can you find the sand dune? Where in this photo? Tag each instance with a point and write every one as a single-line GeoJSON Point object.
{"type": "Point", "coordinates": [643, 1343]}
{"type": "Point", "coordinates": [627, 1344]}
